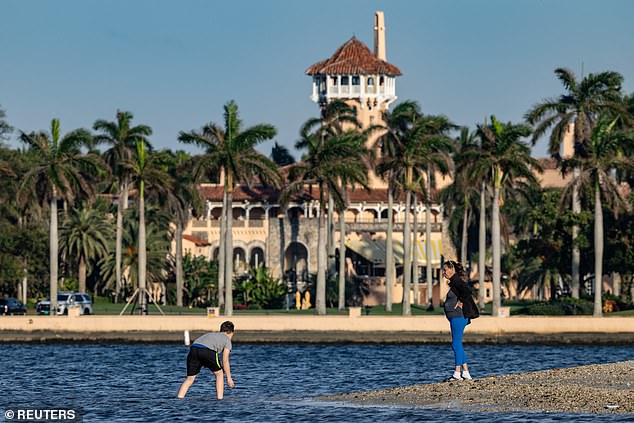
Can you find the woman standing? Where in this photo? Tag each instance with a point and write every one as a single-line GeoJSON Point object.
{"type": "Point", "coordinates": [460, 308]}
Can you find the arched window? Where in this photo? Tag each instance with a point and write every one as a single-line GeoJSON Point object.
{"type": "Point", "coordinates": [381, 81]}
{"type": "Point", "coordinates": [370, 81]}
{"type": "Point", "coordinates": [257, 257]}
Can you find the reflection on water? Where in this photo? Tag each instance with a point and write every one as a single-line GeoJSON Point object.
{"type": "Point", "coordinates": [138, 382]}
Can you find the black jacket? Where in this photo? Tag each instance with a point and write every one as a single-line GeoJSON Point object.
{"type": "Point", "coordinates": [463, 292]}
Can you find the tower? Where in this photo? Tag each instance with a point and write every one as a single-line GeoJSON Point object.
{"type": "Point", "coordinates": [361, 78]}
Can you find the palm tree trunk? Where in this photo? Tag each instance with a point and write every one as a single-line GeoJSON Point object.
{"type": "Point", "coordinates": [495, 239]}
{"type": "Point", "coordinates": [430, 280]}
{"type": "Point", "coordinates": [342, 260]}
{"type": "Point", "coordinates": [482, 245]}
{"type": "Point", "coordinates": [125, 190]}
{"type": "Point", "coordinates": [331, 236]}
{"type": "Point", "coordinates": [229, 249]}
{"type": "Point", "coordinates": [598, 252]}
{"type": "Point", "coordinates": [142, 252]}
{"type": "Point", "coordinates": [118, 246]}
{"type": "Point", "coordinates": [464, 239]}
{"type": "Point", "coordinates": [222, 251]}
{"type": "Point", "coordinates": [53, 244]}
{"type": "Point", "coordinates": [576, 253]}
{"type": "Point", "coordinates": [179, 263]}
{"type": "Point", "coordinates": [320, 300]}
{"type": "Point", "coordinates": [415, 251]}
{"type": "Point", "coordinates": [389, 254]}
{"type": "Point", "coordinates": [407, 256]}
{"type": "Point", "coordinates": [25, 290]}
{"type": "Point", "coordinates": [82, 274]}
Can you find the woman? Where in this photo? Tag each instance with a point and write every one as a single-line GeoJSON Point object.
{"type": "Point", "coordinates": [460, 308]}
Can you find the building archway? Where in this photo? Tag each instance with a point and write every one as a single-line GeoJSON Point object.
{"type": "Point", "coordinates": [256, 257]}
{"type": "Point", "coordinates": [239, 260]}
{"type": "Point", "coordinates": [296, 261]}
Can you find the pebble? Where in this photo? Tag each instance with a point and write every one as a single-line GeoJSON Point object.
{"type": "Point", "coordinates": [597, 388]}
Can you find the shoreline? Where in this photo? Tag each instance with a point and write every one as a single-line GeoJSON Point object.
{"type": "Point", "coordinates": [319, 337]}
{"type": "Point", "coordinates": [319, 329]}
{"type": "Point", "coordinates": [596, 389]}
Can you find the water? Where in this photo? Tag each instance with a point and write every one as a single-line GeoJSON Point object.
{"type": "Point", "coordinates": [138, 382]}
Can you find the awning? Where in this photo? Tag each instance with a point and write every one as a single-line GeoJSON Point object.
{"type": "Point", "coordinates": [375, 251]}
{"type": "Point", "coordinates": [419, 252]}
{"type": "Point", "coordinates": [368, 249]}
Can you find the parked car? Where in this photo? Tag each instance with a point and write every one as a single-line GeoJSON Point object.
{"type": "Point", "coordinates": [11, 306]}
{"type": "Point", "coordinates": [64, 301]}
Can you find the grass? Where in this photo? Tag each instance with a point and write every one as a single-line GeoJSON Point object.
{"type": "Point", "coordinates": [103, 306]}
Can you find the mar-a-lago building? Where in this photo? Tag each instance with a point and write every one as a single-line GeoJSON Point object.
{"type": "Point", "coordinates": [286, 240]}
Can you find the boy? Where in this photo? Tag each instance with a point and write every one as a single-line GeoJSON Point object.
{"type": "Point", "coordinates": [206, 351]}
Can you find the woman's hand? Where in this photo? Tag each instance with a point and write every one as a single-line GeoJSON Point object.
{"type": "Point", "coordinates": [459, 304]}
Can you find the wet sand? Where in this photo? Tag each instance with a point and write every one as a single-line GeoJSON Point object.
{"type": "Point", "coordinates": [599, 388]}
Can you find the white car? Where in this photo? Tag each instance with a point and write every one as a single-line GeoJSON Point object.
{"type": "Point", "coordinates": [64, 301]}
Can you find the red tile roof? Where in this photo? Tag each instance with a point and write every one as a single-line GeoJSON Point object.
{"type": "Point", "coordinates": [353, 58]}
{"type": "Point", "coordinates": [199, 242]}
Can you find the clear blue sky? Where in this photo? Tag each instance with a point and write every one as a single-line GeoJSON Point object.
{"type": "Point", "coordinates": [175, 63]}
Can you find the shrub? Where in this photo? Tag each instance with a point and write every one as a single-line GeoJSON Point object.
{"type": "Point", "coordinates": [565, 306]}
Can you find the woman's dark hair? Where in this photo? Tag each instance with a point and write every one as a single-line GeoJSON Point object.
{"type": "Point", "coordinates": [457, 267]}
{"type": "Point", "coordinates": [226, 327]}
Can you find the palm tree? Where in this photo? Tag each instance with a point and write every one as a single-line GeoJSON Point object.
{"type": "Point", "coordinates": [327, 162]}
{"type": "Point", "coordinates": [281, 156]}
{"type": "Point", "coordinates": [179, 201]}
{"type": "Point", "coordinates": [5, 128]}
{"type": "Point", "coordinates": [435, 157]}
{"type": "Point", "coordinates": [462, 193]}
{"type": "Point", "coordinates": [157, 247]}
{"type": "Point", "coordinates": [595, 159]}
{"type": "Point", "coordinates": [231, 150]}
{"type": "Point", "coordinates": [579, 107]}
{"type": "Point", "coordinates": [336, 116]}
{"type": "Point", "coordinates": [416, 145]}
{"type": "Point", "coordinates": [60, 173]}
{"type": "Point", "coordinates": [145, 172]}
{"type": "Point", "coordinates": [122, 139]}
{"type": "Point", "coordinates": [505, 157]}
{"type": "Point", "coordinates": [84, 236]}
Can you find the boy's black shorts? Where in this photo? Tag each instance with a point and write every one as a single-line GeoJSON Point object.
{"type": "Point", "coordinates": [202, 357]}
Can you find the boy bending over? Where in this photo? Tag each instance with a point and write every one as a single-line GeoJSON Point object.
{"type": "Point", "coordinates": [206, 351]}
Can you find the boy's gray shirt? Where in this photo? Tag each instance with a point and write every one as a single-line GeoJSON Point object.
{"type": "Point", "coordinates": [215, 341]}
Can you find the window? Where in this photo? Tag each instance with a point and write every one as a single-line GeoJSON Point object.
{"type": "Point", "coordinates": [78, 298]}
{"type": "Point", "coordinates": [381, 81]}
{"type": "Point", "coordinates": [344, 80]}
{"type": "Point", "coordinates": [370, 81]}
{"type": "Point", "coordinates": [334, 80]}
{"type": "Point", "coordinates": [356, 80]}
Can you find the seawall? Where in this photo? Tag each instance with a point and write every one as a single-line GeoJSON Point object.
{"type": "Point", "coordinates": [317, 329]}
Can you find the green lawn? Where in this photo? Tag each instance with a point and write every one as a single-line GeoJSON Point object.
{"type": "Point", "coordinates": [103, 306]}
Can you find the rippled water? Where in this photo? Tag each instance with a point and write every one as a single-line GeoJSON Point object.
{"type": "Point", "coordinates": [138, 382]}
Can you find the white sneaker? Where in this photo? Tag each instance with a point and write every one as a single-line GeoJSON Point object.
{"type": "Point", "coordinates": [454, 377]}
{"type": "Point", "coordinates": [466, 375]}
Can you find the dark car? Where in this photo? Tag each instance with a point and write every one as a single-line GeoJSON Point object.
{"type": "Point", "coordinates": [11, 306]}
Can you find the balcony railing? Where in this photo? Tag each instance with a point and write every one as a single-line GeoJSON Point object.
{"type": "Point", "coordinates": [382, 226]}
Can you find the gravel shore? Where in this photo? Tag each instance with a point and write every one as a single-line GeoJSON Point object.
{"type": "Point", "coordinates": [598, 388]}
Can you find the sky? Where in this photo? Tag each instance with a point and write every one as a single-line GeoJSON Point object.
{"type": "Point", "coordinates": [174, 64]}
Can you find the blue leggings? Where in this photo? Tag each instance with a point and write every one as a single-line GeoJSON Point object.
{"type": "Point", "coordinates": [457, 325]}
